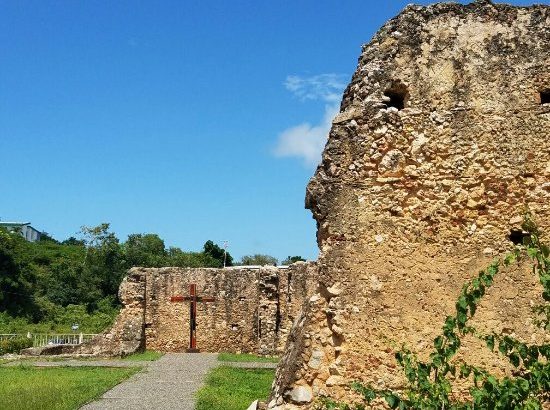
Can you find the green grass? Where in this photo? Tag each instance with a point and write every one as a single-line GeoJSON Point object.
{"type": "Point", "coordinates": [245, 357]}
{"type": "Point", "coordinates": [146, 356]}
{"type": "Point", "coordinates": [57, 388]}
{"type": "Point", "coordinates": [232, 388]}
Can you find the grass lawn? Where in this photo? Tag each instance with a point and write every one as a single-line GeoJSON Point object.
{"type": "Point", "coordinates": [245, 357]}
{"type": "Point", "coordinates": [57, 388]}
{"type": "Point", "coordinates": [146, 356]}
{"type": "Point", "coordinates": [231, 388]}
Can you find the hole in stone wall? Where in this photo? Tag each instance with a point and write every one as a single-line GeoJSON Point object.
{"type": "Point", "coordinates": [545, 97]}
{"type": "Point", "coordinates": [516, 236]}
{"type": "Point", "coordinates": [396, 96]}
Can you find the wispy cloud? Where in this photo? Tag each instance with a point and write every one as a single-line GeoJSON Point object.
{"type": "Point", "coordinates": [305, 140]}
{"type": "Point", "coordinates": [326, 87]}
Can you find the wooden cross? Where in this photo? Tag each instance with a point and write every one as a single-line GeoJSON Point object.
{"type": "Point", "coordinates": [194, 299]}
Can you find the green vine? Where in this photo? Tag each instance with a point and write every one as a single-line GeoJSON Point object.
{"type": "Point", "coordinates": [429, 385]}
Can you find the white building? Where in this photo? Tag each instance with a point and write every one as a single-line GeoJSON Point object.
{"type": "Point", "coordinates": [24, 228]}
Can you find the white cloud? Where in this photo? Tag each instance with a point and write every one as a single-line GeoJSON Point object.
{"type": "Point", "coordinates": [326, 87]}
{"type": "Point", "coordinates": [307, 141]}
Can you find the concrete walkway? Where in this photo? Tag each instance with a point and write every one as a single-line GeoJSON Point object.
{"type": "Point", "coordinates": [167, 383]}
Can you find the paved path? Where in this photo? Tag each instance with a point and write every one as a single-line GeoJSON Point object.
{"type": "Point", "coordinates": [167, 383]}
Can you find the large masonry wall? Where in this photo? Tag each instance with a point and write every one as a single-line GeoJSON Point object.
{"type": "Point", "coordinates": [440, 145]}
{"type": "Point", "coordinates": [253, 311]}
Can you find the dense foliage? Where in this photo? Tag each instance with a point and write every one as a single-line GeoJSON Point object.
{"type": "Point", "coordinates": [14, 345]}
{"type": "Point", "coordinates": [49, 285]}
{"type": "Point", "coordinates": [429, 383]}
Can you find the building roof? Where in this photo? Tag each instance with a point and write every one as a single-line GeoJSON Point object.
{"type": "Point", "coordinates": [3, 223]}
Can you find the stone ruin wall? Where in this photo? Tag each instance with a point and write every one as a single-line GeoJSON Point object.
{"type": "Point", "coordinates": [412, 201]}
{"type": "Point", "coordinates": [253, 311]}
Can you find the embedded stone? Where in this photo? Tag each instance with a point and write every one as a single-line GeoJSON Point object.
{"type": "Point", "coordinates": [335, 380]}
{"type": "Point", "coordinates": [316, 358]}
{"type": "Point", "coordinates": [301, 394]}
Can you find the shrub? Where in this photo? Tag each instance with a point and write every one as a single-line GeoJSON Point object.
{"type": "Point", "coordinates": [14, 345]}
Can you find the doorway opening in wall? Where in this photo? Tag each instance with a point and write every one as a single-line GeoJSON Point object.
{"type": "Point", "coordinates": [545, 97]}
{"type": "Point", "coordinates": [396, 96]}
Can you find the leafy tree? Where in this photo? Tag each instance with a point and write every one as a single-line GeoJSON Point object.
{"type": "Point", "coordinates": [291, 259]}
{"type": "Point", "coordinates": [45, 237]}
{"type": "Point", "coordinates": [15, 276]}
{"type": "Point", "coordinates": [73, 241]}
{"type": "Point", "coordinates": [63, 283]}
{"type": "Point", "coordinates": [258, 259]}
{"type": "Point", "coordinates": [213, 250]}
{"type": "Point", "coordinates": [58, 269]}
{"type": "Point", "coordinates": [145, 250]}
{"type": "Point", "coordinates": [104, 266]}
{"type": "Point", "coordinates": [177, 257]}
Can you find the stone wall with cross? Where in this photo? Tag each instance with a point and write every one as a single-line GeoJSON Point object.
{"type": "Point", "coordinates": [253, 311]}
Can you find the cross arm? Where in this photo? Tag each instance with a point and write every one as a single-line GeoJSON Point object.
{"type": "Point", "coordinates": [190, 298]}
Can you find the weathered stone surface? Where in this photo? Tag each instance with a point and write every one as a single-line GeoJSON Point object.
{"type": "Point", "coordinates": [440, 143]}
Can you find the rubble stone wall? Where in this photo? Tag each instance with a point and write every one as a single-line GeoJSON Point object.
{"type": "Point", "coordinates": [440, 145]}
{"type": "Point", "coordinates": [253, 310]}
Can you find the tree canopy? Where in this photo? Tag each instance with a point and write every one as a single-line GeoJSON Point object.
{"type": "Point", "coordinates": [217, 253]}
{"type": "Point", "coordinates": [259, 259]}
{"type": "Point", "coordinates": [291, 259]}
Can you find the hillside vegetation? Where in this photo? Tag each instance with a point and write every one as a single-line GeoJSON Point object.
{"type": "Point", "coordinates": [50, 285]}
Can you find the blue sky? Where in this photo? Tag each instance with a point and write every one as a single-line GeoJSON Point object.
{"type": "Point", "coordinates": [192, 120]}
